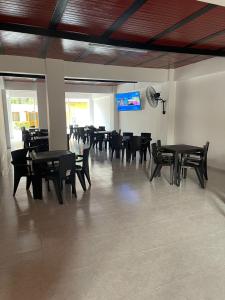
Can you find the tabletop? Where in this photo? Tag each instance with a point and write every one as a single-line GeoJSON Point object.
{"type": "Point", "coordinates": [48, 155]}
{"type": "Point", "coordinates": [44, 137]}
{"type": "Point", "coordinates": [182, 148]}
{"type": "Point", "coordinates": [103, 132]}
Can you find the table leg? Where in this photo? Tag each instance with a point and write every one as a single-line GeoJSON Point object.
{"type": "Point", "coordinates": [37, 182]}
{"type": "Point", "coordinates": [37, 187]}
{"type": "Point", "coordinates": [176, 170]}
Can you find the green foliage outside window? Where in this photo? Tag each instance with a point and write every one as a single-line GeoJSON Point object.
{"type": "Point", "coordinates": [14, 100]}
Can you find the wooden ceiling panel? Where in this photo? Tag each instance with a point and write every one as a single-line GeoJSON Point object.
{"type": "Point", "coordinates": [154, 17]}
{"type": "Point", "coordinates": [21, 43]}
{"type": "Point", "coordinates": [27, 12]}
{"type": "Point", "coordinates": [205, 25]}
{"type": "Point", "coordinates": [92, 17]}
{"type": "Point", "coordinates": [215, 43]}
{"type": "Point", "coordinates": [167, 60]}
{"type": "Point", "coordinates": [132, 59]}
{"type": "Point", "coordinates": [192, 60]}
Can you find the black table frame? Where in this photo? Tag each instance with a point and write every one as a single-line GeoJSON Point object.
{"type": "Point", "coordinates": [37, 159]}
{"type": "Point", "coordinates": [179, 149]}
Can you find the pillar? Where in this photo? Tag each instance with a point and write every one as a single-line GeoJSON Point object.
{"type": "Point", "coordinates": [3, 144]}
{"type": "Point", "coordinates": [6, 118]}
{"type": "Point", "coordinates": [42, 105]}
{"type": "Point", "coordinates": [171, 107]}
{"type": "Point", "coordinates": [56, 110]}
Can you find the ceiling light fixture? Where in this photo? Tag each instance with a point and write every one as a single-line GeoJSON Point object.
{"type": "Point", "coordinates": [216, 2]}
{"type": "Point", "coordinates": [111, 47]}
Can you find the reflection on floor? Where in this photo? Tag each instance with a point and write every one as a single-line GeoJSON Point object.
{"type": "Point", "coordinates": [125, 238]}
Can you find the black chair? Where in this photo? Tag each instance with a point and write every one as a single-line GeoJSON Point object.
{"type": "Point", "coordinates": [117, 145]}
{"type": "Point", "coordinates": [98, 140]}
{"type": "Point", "coordinates": [146, 143]}
{"type": "Point", "coordinates": [40, 145]}
{"type": "Point", "coordinates": [71, 130]}
{"type": "Point", "coordinates": [130, 134]}
{"type": "Point", "coordinates": [81, 134]}
{"type": "Point", "coordinates": [26, 138]}
{"type": "Point", "coordinates": [65, 170]}
{"type": "Point", "coordinates": [136, 146]}
{"type": "Point", "coordinates": [159, 144]}
{"type": "Point", "coordinates": [101, 128]}
{"type": "Point", "coordinates": [42, 132]}
{"type": "Point", "coordinates": [22, 168]}
{"type": "Point", "coordinates": [198, 161]}
{"type": "Point", "coordinates": [82, 171]}
{"type": "Point", "coordinates": [161, 161]}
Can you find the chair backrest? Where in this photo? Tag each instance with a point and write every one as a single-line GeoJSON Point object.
{"type": "Point", "coordinates": [135, 143]}
{"type": "Point", "coordinates": [101, 128]}
{"type": "Point", "coordinates": [85, 158]}
{"type": "Point", "coordinates": [19, 156]}
{"type": "Point", "coordinates": [42, 132]}
{"type": "Point", "coordinates": [80, 131]}
{"type": "Point", "coordinates": [205, 151]}
{"type": "Point", "coordinates": [26, 137]}
{"type": "Point", "coordinates": [116, 141]}
{"type": "Point", "coordinates": [130, 134]}
{"type": "Point", "coordinates": [159, 144]}
{"type": "Point", "coordinates": [66, 165]}
{"type": "Point", "coordinates": [155, 152]}
{"type": "Point", "coordinates": [146, 135]}
{"type": "Point", "coordinates": [41, 145]}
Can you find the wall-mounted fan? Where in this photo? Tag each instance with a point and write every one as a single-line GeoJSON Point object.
{"type": "Point", "coordinates": [154, 98]}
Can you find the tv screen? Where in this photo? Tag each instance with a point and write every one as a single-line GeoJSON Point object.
{"type": "Point", "coordinates": [128, 101]}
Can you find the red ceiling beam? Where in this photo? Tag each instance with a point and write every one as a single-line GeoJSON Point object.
{"type": "Point", "coordinates": [102, 41]}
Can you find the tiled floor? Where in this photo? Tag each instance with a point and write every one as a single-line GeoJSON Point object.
{"type": "Point", "coordinates": [125, 238]}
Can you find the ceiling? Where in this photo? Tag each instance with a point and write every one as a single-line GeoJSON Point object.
{"type": "Point", "coordinates": [139, 33]}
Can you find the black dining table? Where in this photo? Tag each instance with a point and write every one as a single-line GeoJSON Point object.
{"type": "Point", "coordinates": [177, 150]}
{"type": "Point", "coordinates": [38, 159]}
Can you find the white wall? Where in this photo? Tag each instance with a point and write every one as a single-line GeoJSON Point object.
{"type": "Point", "coordinates": [103, 109]}
{"type": "Point", "coordinates": [200, 115]}
{"type": "Point", "coordinates": [148, 119]}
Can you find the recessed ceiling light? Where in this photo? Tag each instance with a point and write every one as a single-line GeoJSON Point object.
{"type": "Point", "coordinates": [216, 2]}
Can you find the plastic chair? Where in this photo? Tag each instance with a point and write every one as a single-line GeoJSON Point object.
{"type": "Point", "coordinates": [21, 168]}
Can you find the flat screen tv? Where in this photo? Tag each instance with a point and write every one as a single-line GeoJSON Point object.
{"type": "Point", "coordinates": [128, 101]}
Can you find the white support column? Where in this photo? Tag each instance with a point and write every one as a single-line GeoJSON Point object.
{"type": "Point", "coordinates": [171, 107]}
{"type": "Point", "coordinates": [3, 143]}
{"type": "Point", "coordinates": [6, 119]}
{"type": "Point", "coordinates": [116, 121]}
{"type": "Point", "coordinates": [91, 110]}
{"type": "Point", "coordinates": [42, 105]}
{"type": "Point", "coordinates": [56, 104]}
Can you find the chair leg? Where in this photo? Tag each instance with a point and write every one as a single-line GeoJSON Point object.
{"type": "Point", "coordinates": [112, 154]}
{"type": "Point", "coordinates": [28, 182]}
{"type": "Point", "coordinates": [200, 177]}
{"type": "Point", "coordinates": [16, 183]}
{"type": "Point", "coordinates": [122, 154]}
{"type": "Point", "coordinates": [205, 171]}
{"type": "Point", "coordinates": [80, 175]}
{"type": "Point", "coordinates": [156, 170]}
{"type": "Point", "coordinates": [73, 183]}
{"type": "Point", "coordinates": [141, 156]}
{"type": "Point", "coordinates": [57, 186]}
{"type": "Point", "coordinates": [87, 174]}
{"type": "Point", "coordinates": [171, 174]}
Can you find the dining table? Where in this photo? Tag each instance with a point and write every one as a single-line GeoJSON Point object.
{"type": "Point", "coordinates": [177, 150]}
{"type": "Point", "coordinates": [38, 160]}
